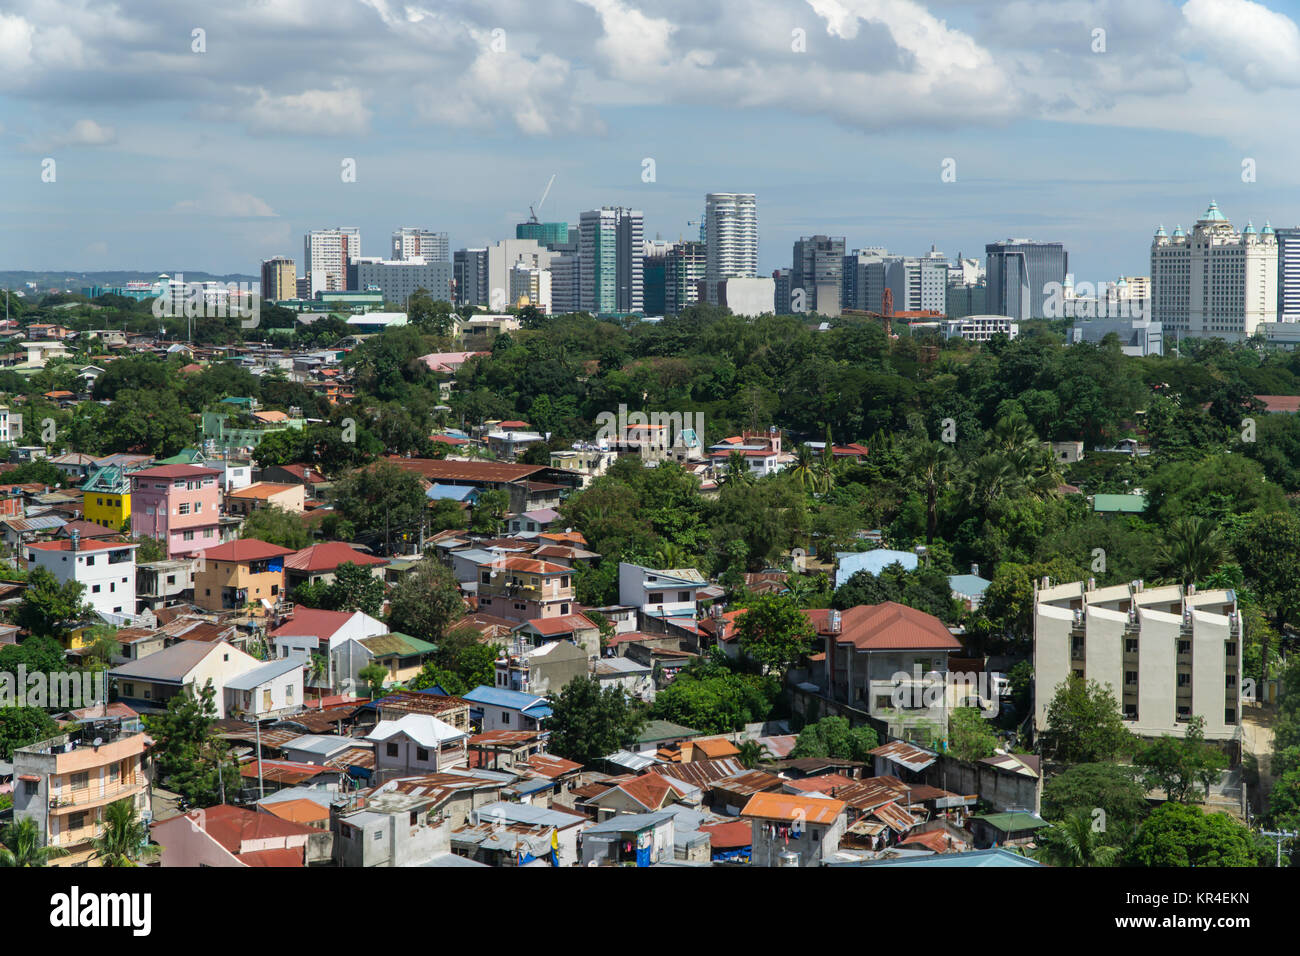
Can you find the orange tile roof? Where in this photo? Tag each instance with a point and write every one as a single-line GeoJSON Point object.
{"type": "Point", "coordinates": [232, 826]}
{"type": "Point", "coordinates": [887, 626]}
{"type": "Point", "coordinates": [327, 556]}
{"type": "Point", "coordinates": [729, 836]}
{"type": "Point", "coordinates": [564, 624]}
{"type": "Point", "coordinates": [261, 490]}
{"type": "Point", "coordinates": [65, 544]}
{"type": "Point", "coordinates": [297, 811]}
{"type": "Point", "coordinates": [784, 806]}
{"type": "Point", "coordinates": [244, 549]}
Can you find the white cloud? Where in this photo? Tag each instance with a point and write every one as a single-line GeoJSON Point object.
{"type": "Point", "coordinates": [311, 112]}
{"type": "Point", "coordinates": [226, 205]}
{"type": "Point", "coordinates": [1246, 40]}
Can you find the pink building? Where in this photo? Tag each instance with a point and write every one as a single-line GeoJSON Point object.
{"type": "Point", "coordinates": [179, 505]}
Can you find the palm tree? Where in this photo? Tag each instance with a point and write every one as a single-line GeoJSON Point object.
{"type": "Point", "coordinates": [932, 462]}
{"type": "Point", "coordinates": [1193, 548]}
{"type": "Point", "coordinates": [989, 478]}
{"type": "Point", "coordinates": [125, 837]}
{"type": "Point", "coordinates": [804, 468]}
{"type": "Point", "coordinates": [21, 841]}
{"type": "Point", "coordinates": [671, 555]}
{"type": "Point", "coordinates": [738, 469]}
{"type": "Point", "coordinates": [752, 753]}
{"type": "Point", "coordinates": [1074, 842]}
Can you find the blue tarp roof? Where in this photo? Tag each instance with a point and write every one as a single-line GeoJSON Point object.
{"type": "Point", "coordinates": [851, 562]}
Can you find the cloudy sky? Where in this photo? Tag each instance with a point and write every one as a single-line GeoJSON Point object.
{"type": "Point", "coordinates": [1082, 121]}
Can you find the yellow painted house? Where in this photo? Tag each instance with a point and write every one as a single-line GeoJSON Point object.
{"type": "Point", "coordinates": [107, 500]}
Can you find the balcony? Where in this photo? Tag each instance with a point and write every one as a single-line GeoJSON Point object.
{"type": "Point", "coordinates": [69, 800]}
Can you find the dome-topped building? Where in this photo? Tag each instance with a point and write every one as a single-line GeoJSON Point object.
{"type": "Point", "coordinates": [1214, 281]}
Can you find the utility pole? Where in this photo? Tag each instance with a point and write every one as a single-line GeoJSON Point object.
{"type": "Point", "coordinates": [1279, 836]}
{"type": "Point", "coordinates": [261, 784]}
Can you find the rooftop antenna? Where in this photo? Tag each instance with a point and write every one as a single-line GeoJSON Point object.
{"type": "Point", "coordinates": [532, 216]}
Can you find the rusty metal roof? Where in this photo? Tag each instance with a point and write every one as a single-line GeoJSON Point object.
{"type": "Point", "coordinates": [781, 806]}
{"type": "Point", "coordinates": [905, 755]}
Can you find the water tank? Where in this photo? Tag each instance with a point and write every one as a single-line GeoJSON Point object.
{"type": "Point", "coordinates": [787, 859]}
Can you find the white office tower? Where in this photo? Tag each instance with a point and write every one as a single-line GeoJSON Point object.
{"type": "Point", "coordinates": [731, 239]}
{"type": "Point", "coordinates": [327, 255]}
{"type": "Point", "coordinates": [1216, 282]}
{"type": "Point", "coordinates": [504, 256]}
{"type": "Point", "coordinates": [410, 242]}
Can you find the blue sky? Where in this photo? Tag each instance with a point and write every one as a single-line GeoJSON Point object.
{"type": "Point", "coordinates": [170, 159]}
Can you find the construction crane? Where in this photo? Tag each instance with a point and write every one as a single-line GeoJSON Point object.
{"type": "Point", "coordinates": [532, 216]}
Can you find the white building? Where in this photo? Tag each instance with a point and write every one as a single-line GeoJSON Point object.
{"type": "Point", "coordinates": [670, 593]}
{"type": "Point", "coordinates": [326, 255]}
{"type": "Point", "coordinates": [1215, 282]}
{"type": "Point", "coordinates": [980, 328]}
{"type": "Point", "coordinates": [411, 242]}
{"type": "Point", "coordinates": [105, 568]}
{"type": "Point", "coordinates": [919, 283]}
{"type": "Point", "coordinates": [417, 743]}
{"type": "Point", "coordinates": [11, 425]}
{"type": "Point", "coordinates": [505, 256]}
{"type": "Point", "coordinates": [753, 297]}
{"type": "Point", "coordinates": [272, 690]}
{"type": "Point", "coordinates": [730, 239]}
{"type": "Point", "coordinates": [1166, 653]}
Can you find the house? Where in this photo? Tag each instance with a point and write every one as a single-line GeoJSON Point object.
{"type": "Point", "coordinates": [629, 839]}
{"type": "Point", "coordinates": [1119, 504]}
{"type": "Point", "coordinates": [309, 631]}
{"type": "Point", "coordinates": [761, 450]}
{"type": "Point", "coordinates": [533, 522]}
{"type": "Point", "coordinates": [542, 670]}
{"type": "Point", "coordinates": [265, 494]}
{"type": "Point", "coordinates": [231, 836]}
{"type": "Point", "coordinates": [391, 828]}
{"type": "Point", "coordinates": [635, 679]}
{"type": "Point", "coordinates": [105, 568]}
{"type": "Point", "coordinates": [164, 582]}
{"type": "Point", "coordinates": [655, 734]}
{"type": "Point", "coordinates": [889, 660]}
{"type": "Point", "coordinates": [785, 825]}
{"type": "Point", "coordinates": [555, 833]}
{"type": "Point", "coordinates": [317, 748]}
{"type": "Point", "coordinates": [319, 563]}
{"type": "Point", "coordinates": [575, 628]}
{"type": "Point", "coordinates": [1014, 828]}
{"type": "Point", "coordinates": [416, 744]}
{"type": "Point", "coordinates": [304, 475]}
{"type": "Point", "coordinates": [664, 595]}
{"type": "Point", "coordinates": [74, 464]}
{"type": "Point", "coordinates": [849, 563]}
{"type": "Point", "coordinates": [401, 655]}
{"type": "Point", "coordinates": [64, 783]}
{"type": "Point", "coordinates": [501, 709]}
{"type": "Point", "coordinates": [232, 576]}
{"type": "Point", "coordinates": [178, 505]}
{"type": "Point", "coordinates": [148, 684]}
{"type": "Point", "coordinates": [969, 588]}
{"type": "Point", "coordinates": [272, 690]}
{"type": "Point", "coordinates": [649, 792]}
{"type": "Point", "coordinates": [509, 444]}
{"type": "Point", "coordinates": [521, 589]}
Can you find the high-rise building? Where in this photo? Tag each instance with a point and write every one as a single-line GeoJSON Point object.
{"type": "Point", "coordinates": [687, 262]}
{"type": "Point", "coordinates": [610, 252]}
{"type": "Point", "coordinates": [1020, 274]}
{"type": "Point", "coordinates": [398, 280]}
{"type": "Point", "coordinates": [781, 295]}
{"type": "Point", "coordinates": [967, 290]}
{"type": "Point", "coordinates": [566, 292]}
{"type": "Point", "coordinates": [919, 283]}
{"type": "Point", "coordinates": [548, 234]}
{"type": "Point", "coordinates": [864, 278]}
{"type": "Point", "coordinates": [1288, 274]}
{"type": "Point", "coordinates": [818, 270]}
{"type": "Point", "coordinates": [470, 272]}
{"type": "Point", "coordinates": [1216, 282]}
{"type": "Point", "coordinates": [327, 255]}
{"type": "Point", "coordinates": [279, 279]}
{"type": "Point", "coordinates": [654, 276]}
{"type": "Point", "coordinates": [412, 243]}
{"type": "Point", "coordinates": [730, 231]}
{"type": "Point", "coordinates": [503, 257]}
{"type": "Point", "coordinates": [530, 285]}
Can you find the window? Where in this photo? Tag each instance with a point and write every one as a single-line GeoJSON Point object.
{"type": "Point", "coordinates": [379, 834]}
{"type": "Point", "coordinates": [31, 787]}
{"type": "Point", "coordinates": [183, 509]}
{"type": "Point", "coordinates": [1184, 680]}
{"type": "Point", "coordinates": [391, 750]}
{"type": "Point", "coordinates": [683, 596]}
{"type": "Point", "coordinates": [421, 754]}
{"type": "Point", "coordinates": [90, 560]}
{"type": "Point", "coordinates": [1231, 648]}
{"type": "Point", "coordinates": [128, 690]}
{"type": "Point", "coordinates": [656, 597]}
{"type": "Point", "coordinates": [94, 589]}
{"type": "Point", "coordinates": [1184, 647]}
{"type": "Point", "coordinates": [1229, 715]}
{"type": "Point", "coordinates": [188, 536]}
{"type": "Point", "coordinates": [1130, 677]}
{"type": "Point", "coordinates": [505, 717]}
{"type": "Point", "coordinates": [80, 781]}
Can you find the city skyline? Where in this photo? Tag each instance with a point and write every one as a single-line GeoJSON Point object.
{"type": "Point", "coordinates": [202, 173]}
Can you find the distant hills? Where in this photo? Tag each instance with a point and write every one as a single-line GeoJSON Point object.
{"type": "Point", "coordinates": [75, 281]}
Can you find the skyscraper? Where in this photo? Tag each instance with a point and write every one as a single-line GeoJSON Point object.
{"type": "Point", "coordinates": [610, 253]}
{"type": "Point", "coordinates": [864, 278]}
{"type": "Point", "coordinates": [504, 256]}
{"type": "Point", "coordinates": [412, 243]}
{"type": "Point", "coordinates": [327, 255]}
{"type": "Point", "coordinates": [1288, 274]}
{"type": "Point", "coordinates": [279, 279]}
{"type": "Point", "coordinates": [470, 272]}
{"type": "Point", "coordinates": [1216, 282]}
{"type": "Point", "coordinates": [1018, 272]}
{"type": "Point", "coordinates": [818, 270]}
{"type": "Point", "coordinates": [548, 234]}
{"type": "Point", "coordinates": [919, 283]}
{"type": "Point", "coordinates": [730, 229]}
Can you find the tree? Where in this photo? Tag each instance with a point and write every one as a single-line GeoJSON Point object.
{"type": "Point", "coordinates": [48, 608]}
{"type": "Point", "coordinates": [711, 697]}
{"type": "Point", "coordinates": [425, 601]}
{"type": "Point", "coordinates": [187, 758]}
{"type": "Point", "coordinates": [275, 525]}
{"type": "Point", "coordinates": [490, 511]}
{"type": "Point", "coordinates": [355, 588]}
{"type": "Point", "coordinates": [1076, 842]}
{"type": "Point", "coordinates": [102, 647]}
{"type": "Point", "coordinates": [1179, 835]}
{"type": "Point", "coordinates": [1193, 548]}
{"type": "Point", "coordinates": [125, 839]}
{"type": "Point", "coordinates": [752, 753]}
{"type": "Point", "coordinates": [1084, 724]}
{"type": "Point", "coordinates": [969, 734]}
{"type": "Point", "coordinates": [20, 845]}
{"type": "Point", "coordinates": [588, 723]}
{"type": "Point", "coordinates": [835, 737]}
{"type": "Point", "coordinates": [774, 632]}
{"type": "Point", "coordinates": [1269, 553]}
{"type": "Point", "coordinates": [20, 726]}
{"type": "Point", "coordinates": [1109, 787]}
{"type": "Point", "coordinates": [1184, 768]}
{"type": "Point", "coordinates": [148, 550]}
{"type": "Point", "coordinates": [381, 500]}
{"type": "Point", "coordinates": [374, 676]}
{"type": "Point", "coordinates": [149, 421]}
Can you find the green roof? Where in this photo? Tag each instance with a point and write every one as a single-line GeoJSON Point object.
{"type": "Point", "coordinates": [1012, 822]}
{"type": "Point", "coordinates": [655, 730]}
{"type": "Point", "coordinates": [403, 645]}
{"type": "Point", "coordinates": [1132, 504]}
{"type": "Point", "coordinates": [186, 456]}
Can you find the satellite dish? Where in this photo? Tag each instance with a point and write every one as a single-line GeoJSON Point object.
{"type": "Point", "coordinates": [99, 741]}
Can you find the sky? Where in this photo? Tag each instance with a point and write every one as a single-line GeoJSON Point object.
{"type": "Point", "coordinates": [1087, 122]}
